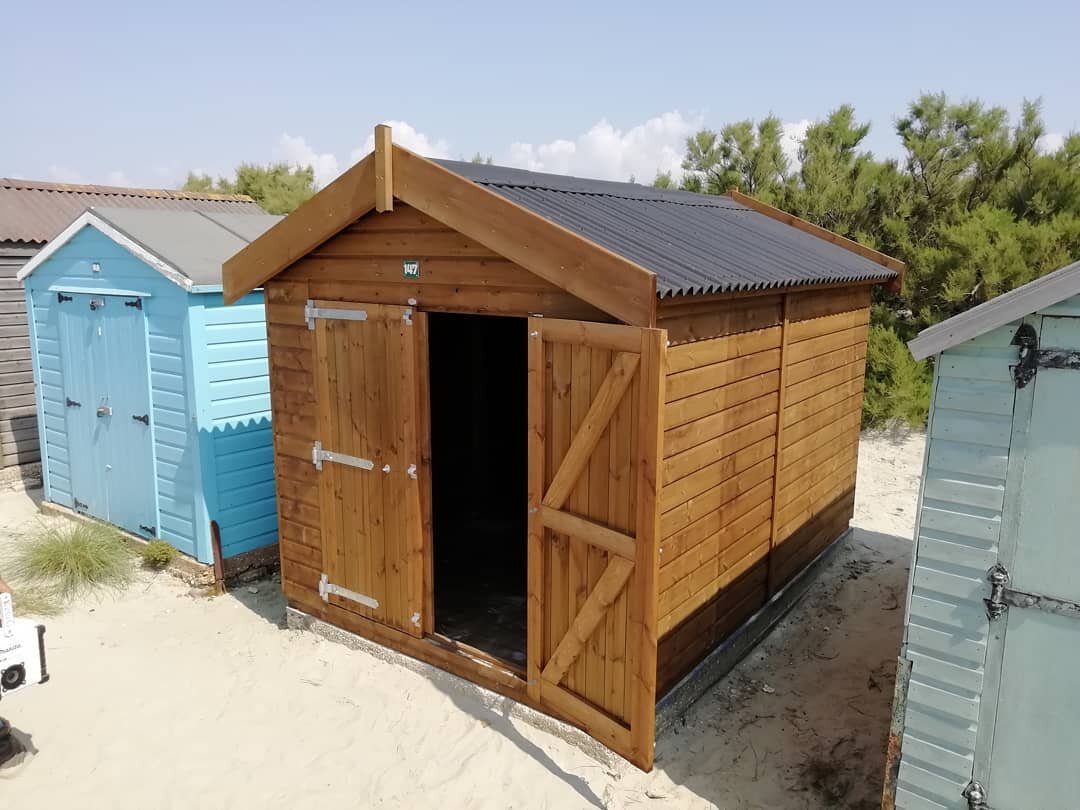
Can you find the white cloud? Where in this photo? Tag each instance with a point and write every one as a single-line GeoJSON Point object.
{"type": "Point", "coordinates": [793, 134]}
{"type": "Point", "coordinates": [294, 150]}
{"type": "Point", "coordinates": [406, 135]}
{"type": "Point", "coordinates": [1051, 142]}
{"type": "Point", "coordinates": [608, 153]}
{"type": "Point", "coordinates": [63, 174]}
{"type": "Point", "coordinates": [118, 178]}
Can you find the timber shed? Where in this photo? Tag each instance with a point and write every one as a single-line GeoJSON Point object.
{"type": "Point", "coordinates": [153, 397]}
{"type": "Point", "coordinates": [526, 426]}
{"type": "Point", "coordinates": [986, 712]}
{"type": "Point", "coordinates": [31, 214]}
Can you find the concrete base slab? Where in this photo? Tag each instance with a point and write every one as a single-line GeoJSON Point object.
{"type": "Point", "coordinates": [723, 659]}
{"type": "Point", "coordinates": [298, 620]}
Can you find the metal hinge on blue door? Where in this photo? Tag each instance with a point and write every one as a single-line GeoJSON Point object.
{"type": "Point", "coordinates": [1031, 358]}
{"type": "Point", "coordinates": [1003, 597]}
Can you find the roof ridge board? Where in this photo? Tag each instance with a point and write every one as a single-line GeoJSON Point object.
{"type": "Point", "coordinates": [205, 215]}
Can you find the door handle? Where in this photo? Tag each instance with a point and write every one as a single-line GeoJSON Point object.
{"type": "Point", "coordinates": [104, 410]}
{"type": "Point", "coordinates": [145, 419]}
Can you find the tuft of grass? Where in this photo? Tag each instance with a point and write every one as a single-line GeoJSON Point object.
{"type": "Point", "coordinates": [71, 559]}
{"type": "Point", "coordinates": [157, 554]}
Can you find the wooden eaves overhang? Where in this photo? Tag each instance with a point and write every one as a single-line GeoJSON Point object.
{"type": "Point", "coordinates": [593, 273]}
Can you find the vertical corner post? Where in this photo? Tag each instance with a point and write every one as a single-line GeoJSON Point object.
{"type": "Point", "coordinates": [384, 169]}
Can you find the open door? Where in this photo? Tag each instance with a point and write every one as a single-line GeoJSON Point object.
{"type": "Point", "coordinates": [367, 455]}
{"type": "Point", "coordinates": [595, 392]}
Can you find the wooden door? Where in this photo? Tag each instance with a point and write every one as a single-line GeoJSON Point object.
{"type": "Point", "coordinates": [368, 461]}
{"type": "Point", "coordinates": [594, 398]}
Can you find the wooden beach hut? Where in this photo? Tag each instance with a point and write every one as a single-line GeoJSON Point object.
{"type": "Point", "coordinates": [558, 436]}
{"type": "Point", "coordinates": [152, 396]}
{"type": "Point", "coordinates": [986, 710]}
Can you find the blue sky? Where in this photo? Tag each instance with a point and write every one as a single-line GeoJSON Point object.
{"type": "Point", "coordinates": [140, 93]}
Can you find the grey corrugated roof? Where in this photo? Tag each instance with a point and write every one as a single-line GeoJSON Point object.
{"type": "Point", "coordinates": [193, 242]}
{"type": "Point", "coordinates": [1053, 288]}
{"type": "Point", "coordinates": [695, 243]}
{"type": "Point", "coordinates": [33, 212]}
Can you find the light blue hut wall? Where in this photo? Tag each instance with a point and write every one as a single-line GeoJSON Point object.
{"type": "Point", "coordinates": [165, 304]}
{"type": "Point", "coordinates": [957, 535]}
{"type": "Point", "coordinates": [236, 444]}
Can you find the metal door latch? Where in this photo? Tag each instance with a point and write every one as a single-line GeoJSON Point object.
{"type": "Point", "coordinates": [975, 794]}
{"type": "Point", "coordinates": [1002, 597]}
{"type": "Point", "coordinates": [144, 418]}
{"type": "Point", "coordinates": [104, 410]}
{"type": "Point", "coordinates": [97, 303]}
{"type": "Point", "coordinates": [72, 403]}
{"type": "Point", "coordinates": [150, 530]}
{"type": "Point", "coordinates": [79, 505]}
{"type": "Point", "coordinates": [137, 303]}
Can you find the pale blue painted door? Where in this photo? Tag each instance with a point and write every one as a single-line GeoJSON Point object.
{"type": "Point", "coordinates": [104, 344]}
{"type": "Point", "coordinates": [1034, 747]}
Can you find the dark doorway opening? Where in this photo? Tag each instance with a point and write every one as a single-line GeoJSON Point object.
{"type": "Point", "coordinates": [479, 460]}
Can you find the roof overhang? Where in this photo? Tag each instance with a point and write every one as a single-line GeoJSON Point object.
{"type": "Point", "coordinates": [583, 268]}
{"type": "Point", "coordinates": [1044, 292]}
{"type": "Point", "coordinates": [91, 219]}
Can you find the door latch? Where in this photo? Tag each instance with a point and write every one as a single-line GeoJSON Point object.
{"type": "Point", "coordinates": [72, 403]}
{"type": "Point", "coordinates": [145, 419]}
{"type": "Point", "coordinates": [975, 794]}
{"type": "Point", "coordinates": [104, 410]}
{"type": "Point", "coordinates": [97, 303]}
{"type": "Point", "coordinates": [61, 298]}
{"type": "Point", "coordinates": [79, 505]}
{"type": "Point", "coordinates": [996, 605]}
{"type": "Point", "coordinates": [150, 530]}
{"type": "Point", "coordinates": [137, 303]}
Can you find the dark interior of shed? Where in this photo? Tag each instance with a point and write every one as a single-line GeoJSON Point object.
{"type": "Point", "coordinates": [479, 453]}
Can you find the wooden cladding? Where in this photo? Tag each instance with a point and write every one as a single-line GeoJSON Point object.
{"type": "Point", "coordinates": [761, 426]}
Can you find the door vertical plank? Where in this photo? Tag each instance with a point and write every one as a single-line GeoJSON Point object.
{"type": "Point", "coordinates": [349, 418]}
{"type": "Point", "coordinates": [373, 489]}
{"type": "Point", "coordinates": [329, 495]}
{"type": "Point", "coordinates": [423, 408]}
{"type": "Point", "coordinates": [599, 480]}
{"type": "Point", "coordinates": [620, 462]}
{"type": "Point", "coordinates": [535, 593]}
{"type": "Point", "coordinates": [412, 540]}
{"type": "Point", "coordinates": [558, 443]}
{"type": "Point", "coordinates": [578, 503]}
{"type": "Point", "coordinates": [643, 603]}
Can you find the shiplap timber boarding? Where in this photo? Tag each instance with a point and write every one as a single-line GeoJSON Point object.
{"type": "Point", "coordinates": [986, 711]}
{"type": "Point", "coordinates": [153, 398]}
{"type": "Point", "coordinates": [689, 374]}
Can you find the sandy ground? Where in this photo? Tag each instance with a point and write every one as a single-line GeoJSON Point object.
{"type": "Point", "coordinates": [161, 699]}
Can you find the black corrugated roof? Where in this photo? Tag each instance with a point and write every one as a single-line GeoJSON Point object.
{"type": "Point", "coordinates": [695, 243]}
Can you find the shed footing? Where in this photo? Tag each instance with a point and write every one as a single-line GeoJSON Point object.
{"type": "Point", "coordinates": [723, 659]}
{"type": "Point", "coordinates": [499, 706]}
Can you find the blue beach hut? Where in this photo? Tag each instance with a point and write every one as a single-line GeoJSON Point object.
{"type": "Point", "coordinates": [153, 398]}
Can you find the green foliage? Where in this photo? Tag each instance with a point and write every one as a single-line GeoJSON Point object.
{"type": "Point", "coordinates": [742, 155]}
{"type": "Point", "coordinates": [157, 554]}
{"type": "Point", "coordinates": [67, 560]}
{"type": "Point", "coordinates": [35, 599]}
{"type": "Point", "coordinates": [973, 208]}
{"type": "Point", "coordinates": [481, 159]}
{"type": "Point", "coordinates": [664, 180]}
{"type": "Point", "coordinates": [277, 188]}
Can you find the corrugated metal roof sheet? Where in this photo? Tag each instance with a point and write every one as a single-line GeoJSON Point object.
{"type": "Point", "coordinates": [695, 243]}
{"type": "Point", "coordinates": [193, 242]}
{"type": "Point", "coordinates": [34, 212]}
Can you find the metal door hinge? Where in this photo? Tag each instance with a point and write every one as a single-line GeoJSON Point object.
{"type": "Point", "coordinates": [78, 504]}
{"type": "Point", "coordinates": [137, 303]}
{"type": "Point", "coordinates": [150, 530]}
{"type": "Point", "coordinates": [61, 298]}
{"type": "Point", "coordinates": [975, 794]}
{"type": "Point", "coordinates": [318, 456]}
{"type": "Point", "coordinates": [328, 589]}
{"type": "Point", "coordinates": [1032, 358]}
{"type": "Point", "coordinates": [1003, 597]}
{"type": "Point", "coordinates": [72, 403]}
{"type": "Point", "coordinates": [144, 418]}
{"type": "Point", "coordinates": [311, 312]}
